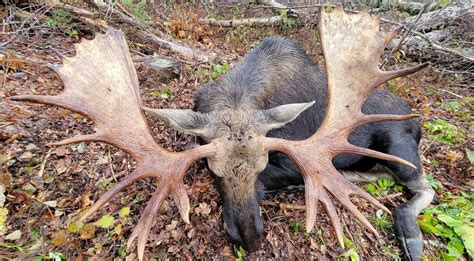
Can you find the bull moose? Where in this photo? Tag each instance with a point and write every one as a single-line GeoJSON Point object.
{"type": "Point", "coordinates": [273, 121]}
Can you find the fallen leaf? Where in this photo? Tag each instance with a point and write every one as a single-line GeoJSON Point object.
{"type": "Point", "coordinates": [203, 209]}
{"type": "Point", "coordinates": [15, 235]}
{"type": "Point", "coordinates": [59, 237]}
{"type": "Point", "coordinates": [118, 229]}
{"type": "Point", "coordinates": [51, 203]}
{"type": "Point", "coordinates": [88, 231]}
{"type": "Point", "coordinates": [124, 212]}
{"type": "Point", "coordinates": [3, 217]}
{"type": "Point", "coordinates": [106, 221]}
{"type": "Point", "coordinates": [61, 151]}
{"type": "Point", "coordinates": [75, 226]}
{"type": "Point", "coordinates": [61, 166]}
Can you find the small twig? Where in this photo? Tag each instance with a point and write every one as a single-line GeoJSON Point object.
{"type": "Point", "coordinates": [238, 22]}
{"type": "Point", "coordinates": [43, 164]}
{"type": "Point", "coordinates": [390, 196]}
{"type": "Point", "coordinates": [282, 205]}
{"type": "Point", "coordinates": [23, 24]}
{"type": "Point", "coordinates": [111, 166]}
{"type": "Point", "coordinates": [452, 93]}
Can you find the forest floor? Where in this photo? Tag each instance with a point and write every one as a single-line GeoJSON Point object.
{"type": "Point", "coordinates": [43, 189]}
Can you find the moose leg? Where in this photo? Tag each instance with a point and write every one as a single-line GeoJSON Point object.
{"type": "Point", "coordinates": [406, 226]}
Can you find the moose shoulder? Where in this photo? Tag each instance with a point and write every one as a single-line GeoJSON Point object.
{"type": "Point", "coordinates": [271, 93]}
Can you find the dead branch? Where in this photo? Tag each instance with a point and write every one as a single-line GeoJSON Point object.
{"type": "Point", "coordinates": [410, 41]}
{"type": "Point", "coordinates": [432, 43]}
{"type": "Point", "coordinates": [443, 18]}
{"type": "Point", "coordinates": [274, 4]}
{"type": "Point", "coordinates": [145, 31]}
{"type": "Point", "coordinates": [238, 22]}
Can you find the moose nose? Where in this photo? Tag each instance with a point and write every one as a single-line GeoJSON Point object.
{"type": "Point", "coordinates": [243, 224]}
{"type": "Point", "coordinates": [249, 236]}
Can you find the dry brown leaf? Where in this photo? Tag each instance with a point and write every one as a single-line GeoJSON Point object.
{"type": "Point", "coordinates": [88, 231]}
{"type": "Point", "coordinates": [59, 237]}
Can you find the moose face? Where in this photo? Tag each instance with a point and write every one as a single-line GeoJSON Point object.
{"type": "Point", "coordinates": [240, 157]}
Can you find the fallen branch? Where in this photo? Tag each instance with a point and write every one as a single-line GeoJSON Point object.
{"type": "Point", "coordinates": [432, 43]}
{"type": "Point", "coordinates": [278, 6]}
{"type": "Point", "coordinates": [145, 31]}
{"type": "Point", "coordinates": [238, 22]}
{"type": "Point", "coordinates": [442, 18]}
{"type": "Point", "coordinates": [414, 41]}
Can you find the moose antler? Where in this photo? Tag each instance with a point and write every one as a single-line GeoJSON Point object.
{"type": "Point", "coordinates": [101, 83]}
{"type": "Point", "coordinates": [352, 46]}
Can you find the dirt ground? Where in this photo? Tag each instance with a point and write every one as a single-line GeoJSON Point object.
{"type": "Point", "coordinates": [46, 188]}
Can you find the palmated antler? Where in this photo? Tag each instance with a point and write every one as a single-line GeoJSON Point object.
{"type": "Point", "coordinates": [101, 83]}
{"type": "Point", "coordinates": [352, 46]}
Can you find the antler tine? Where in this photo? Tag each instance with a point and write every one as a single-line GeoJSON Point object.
{"type": "Point", "coordinates": [352, 46]}
{"type": "Point", "coordinates": [391, 35]}
{"type": "Point", "coordinates": [331, 211]}
{"type": "Point", "coordinates": [125, 182]}
{"type": "Point", "coordinates": [311, 199]}
{"type": "Point", "coordinates": [44, 99]}
{"type": "Point", "coordinates": [101, 83]}
{"type": "Point", "coordinates": [349, 148]}
{"type": "Point", "coordinates": [146, 221]}
{"type": "Point", "coordinates": [388, 75]}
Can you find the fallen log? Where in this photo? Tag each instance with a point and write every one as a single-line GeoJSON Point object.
{"type": "Point", "coordinates": [442, 18]}
{"type": "Point", "coordinates": [238, 22]}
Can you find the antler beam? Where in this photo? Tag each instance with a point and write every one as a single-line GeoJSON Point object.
{"type": "Point", "coordinates": [352, 46]}
{"type": "Point", "coordinates": [100, 82]}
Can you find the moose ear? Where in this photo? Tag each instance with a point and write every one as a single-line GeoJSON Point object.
{"type": "Point", "coordinates": [281, 115]}
{"type": "Point", "coordinates": [185, 121]}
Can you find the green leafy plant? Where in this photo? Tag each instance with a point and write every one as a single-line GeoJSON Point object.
{"type": "Point", "coordinates": [442, 3]}
{"type": "Point", "coordinates": [287, 22]}
{"type": "Point", "coordinates": [382, 186]}
{"type": "Point", "coordinates": [58, 17]}
{"type": "Point", "coordinates": [295, 226]}
{"type": "Point", "coordinates": [382, 220]}
{"type": "Point", "coordinates": [167, 92]}
{"type": "Point", "coordinates": [452, 220]}
{"type": "Point", "coordinates": [73, 33]}
{"type": "Point", "coordinates": [328, 7]}
{"type": "Point", "coordinates": [351, 252]}
{"type": "Point", "coordinates": [443, 132]}
{"type": "Point", "coordinates": [106, 221]}
{"type": "Point", "coordinates": [218, 69]}
{"type": "Point", "coordinates": [240, 254]}
{"type": "Point", "coordinates": [138, 10]}
{"type": "Point", "coordinates": [432, 182]}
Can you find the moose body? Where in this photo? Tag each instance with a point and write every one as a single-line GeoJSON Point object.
{"type": "Point", "coordinates": [279, 72]}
